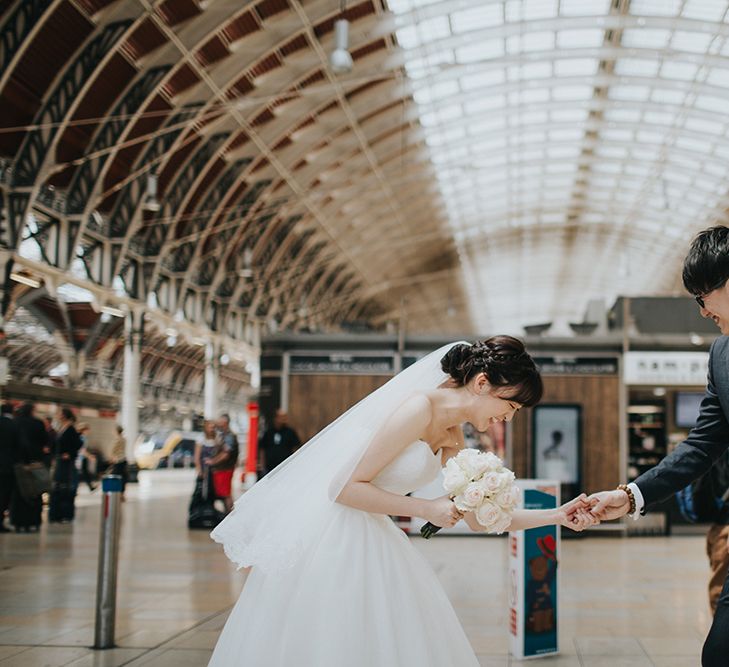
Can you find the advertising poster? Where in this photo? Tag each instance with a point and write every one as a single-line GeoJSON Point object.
{"type": "Point", "coordinates": [533, 596]}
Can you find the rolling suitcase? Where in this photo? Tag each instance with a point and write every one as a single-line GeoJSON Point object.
{"type": "Point", "coordinates": [202, 513]}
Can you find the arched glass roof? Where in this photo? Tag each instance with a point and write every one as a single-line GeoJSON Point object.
{"type": "Point", "coordinates": [570, 139]}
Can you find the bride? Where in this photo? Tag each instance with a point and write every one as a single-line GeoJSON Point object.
{"type": "Point", "coordinates": [333, 581]}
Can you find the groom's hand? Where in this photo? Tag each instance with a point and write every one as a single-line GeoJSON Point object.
{"type": "Point", "coordinates": [608, 505]}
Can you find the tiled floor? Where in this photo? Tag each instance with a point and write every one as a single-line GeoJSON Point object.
{"type": "Point", "coordinates": [637, 602]}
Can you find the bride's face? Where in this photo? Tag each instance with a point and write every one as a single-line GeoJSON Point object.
{"type": "Point", "coordinates": [492, 405]}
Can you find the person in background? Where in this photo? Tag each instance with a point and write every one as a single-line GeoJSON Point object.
{"type": "Point", "coordinates": [9, 456]}
{"type": "Point", "coordinates": [119, 458]}
{"type": "Point", "coordinates": [26, 515]}
{"type": "Point", "coordinates": [52, 435]}
{"type": "Point", "coordinates": [717, 538]}
{"type": "Point", "coordinates": [278, 442]}
{"type": "Point", "coordinates": [62, 507]}
{"type": "Point", "coordinates": [87, 458]}
{"type": "Point", "coordinates": [224, 462]}
{"type": "Point", "coordinates": [206, 448]}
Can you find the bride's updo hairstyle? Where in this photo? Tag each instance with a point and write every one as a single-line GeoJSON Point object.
{"type": "Point", "coordinates": [505, 362]}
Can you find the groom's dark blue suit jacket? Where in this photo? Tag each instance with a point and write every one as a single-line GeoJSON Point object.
{"type": "Point", "coordinates": [706, 442]}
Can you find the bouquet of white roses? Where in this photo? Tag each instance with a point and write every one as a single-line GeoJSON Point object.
{"type": "Point", "coordinates": [478, 482]}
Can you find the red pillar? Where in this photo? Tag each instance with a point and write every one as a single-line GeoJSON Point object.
{"type": "Point", "coordinates": [251, 471]}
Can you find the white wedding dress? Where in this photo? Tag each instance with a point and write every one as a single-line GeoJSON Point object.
{"type": "Point", "coordinates": [361, 595]}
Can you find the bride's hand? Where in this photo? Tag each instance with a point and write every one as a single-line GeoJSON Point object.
{"type": "Point", "coordinates": [442, 512]}
{"type": "Point", "coordinates": [575, 514]}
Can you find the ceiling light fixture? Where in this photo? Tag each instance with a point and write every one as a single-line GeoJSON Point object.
{"type": "Point", "coordinates": [151, 203]}
{"type": "Point", "coordinates": [340, 59]}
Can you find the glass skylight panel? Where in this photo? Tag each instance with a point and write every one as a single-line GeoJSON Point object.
{"type": "Point", "coordinates": [569, 115]}
{"type": "Point", "coordinates": [617, 152]}
{"type": "Point", "coordinates": [643, 67]}
{"type": "Point", "coordinates": [483, 79]}
{"type": "Point", "coordinates": [584, 7]}
{"type": "Point", "coordinates": [668, 96]}
{"type": "Point", "coordinates": [530, 41]}
{"type": "Point", "coordinates": [580, 39]}
{"type": "Point", "coordinates": [486, 103]}
{"type": "Point", "coordinates": [576, 67]}
{"type": "Point", "coordinates": [659, 118]}
{"type": "Point", "coordinates": [622, 115]}
{"type": "Point", "coordinates": [530, 10]}
{"type": "Point", "coordinates": [477, 18]}
{"type": "Point", "coordinates": [674, 176]}
{"type": "Point", "coordinates": [572, 93]}
{"type": "Point", "coordinates": [718, 76]}
{"type": "Point", "coordinates": [614, 134]}
{"type": "Point", "coordinates": [483, 50]}
{"type": "Point", "coordinates": [655, 7]}
{"type": "Point", "coordinates": [693, 42]}
{"type": "Point", "coordinates": [639, 169]}
{"type": "Point", "coordinates": [675, 69]}
{"type": "Point", "coordinates": [567, 134]}
{"type": "Point", "coordinates": [705, 10]}
{"type": "Point", "coordinates": [436, 92]}
{"type": "Point", "coordinates": [712, 103]}
{"type": "Point", "coordinates": [722, 151]}
{"type": "Point", "coordinates": [650, 137]}
{"type": "Point", "coordinates": [530, 71]}
{"type": "Point", "coordinates": [528, 116]}
{"type": "Point", "coordinates": [635, 93]}
{"type": "Point", "coordinates": [695, 145]}
{"type": "Point", "coordinates": [446, 135]}
{"type": "Point", "coordinates": [716, 169]}
{"type": "Point", "coordinates": [527, 98]}
{"type": "Point", "coordinates": [646, 38]}
{"type": "Point", "coordinates": [486, 125]}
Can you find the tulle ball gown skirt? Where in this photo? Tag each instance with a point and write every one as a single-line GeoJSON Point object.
{"type": "Point", "coordinates": [362, 596]}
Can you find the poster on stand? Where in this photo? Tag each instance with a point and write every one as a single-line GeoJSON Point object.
{"type": "Point", "coordinates": [533, 577]}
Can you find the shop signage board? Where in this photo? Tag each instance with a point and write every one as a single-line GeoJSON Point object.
{"type": "Point", "coordinates": [666, 368]}
{"type": "Point", "coordinates": [559, 365]}
{"type": "Point", "coordinates": [533, 572]}
{"type": "Point", "coordinates": [342, 363]}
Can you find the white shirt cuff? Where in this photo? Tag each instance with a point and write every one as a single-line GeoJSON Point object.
{"type": "Point", "coordinates": [639, 502]}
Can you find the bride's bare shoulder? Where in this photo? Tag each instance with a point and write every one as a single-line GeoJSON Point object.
{"type": "Point", "coordinates": [419, 403]}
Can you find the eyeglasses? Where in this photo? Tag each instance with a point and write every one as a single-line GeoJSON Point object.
{"type": "Point", "coordinates": [700, 297]}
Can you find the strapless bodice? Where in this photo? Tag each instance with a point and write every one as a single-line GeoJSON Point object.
{"type": "Point", "coordinates": [414, 468]}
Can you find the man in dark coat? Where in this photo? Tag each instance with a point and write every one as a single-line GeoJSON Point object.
{"type": "Point", "coordinates": [278, 442]}
{"type": "Point", "coordinates": [9, 456]}
{"type": "Point", "coordinates": [706, 276]}
{"type": "Point", "coordinates": [26, 514]}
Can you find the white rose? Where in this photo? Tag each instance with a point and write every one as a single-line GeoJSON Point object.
{"type": "Point", "coordinates": [473, 495]}
{"type": "Point", "coordinates": [491, 483]}
{"type": "Point", "coordinates": [515, 493]}
{"type": "Point", "coordinates": [455, 479]}
{"type": "Point", "coordinates": [460, 502]}
{"type": "Point", "coordinates": [488, 514]}
{"type": "Point", "coordinates": [470, 462]}
{"type": "Point", "coordinates": [506, 479]}
{"type": "Point", "coordinates": [503, 498]}
{"type": "Point", "coordinates": [501, 524]}
{"type": "Point", "coordinates": [491, 462]}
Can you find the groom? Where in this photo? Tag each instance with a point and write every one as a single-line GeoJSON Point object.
{"type": "Point", "coordinates": [705, 275]}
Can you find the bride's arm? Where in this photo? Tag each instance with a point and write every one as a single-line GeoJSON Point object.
{"type": "Point", "coordinates": [574, 515]}
{"type": "Point", "coordinates": [402, 428]}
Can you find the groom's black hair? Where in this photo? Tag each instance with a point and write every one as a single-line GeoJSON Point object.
{"type": "Point", "coordinates": [706, 266]}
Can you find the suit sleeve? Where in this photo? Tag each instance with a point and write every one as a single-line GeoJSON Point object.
{"type": "Point", "coordinates": [705, 444]}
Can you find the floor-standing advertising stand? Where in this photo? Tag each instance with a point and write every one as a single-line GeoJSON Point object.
{"type": "Point", "coordinates": [533, 590]}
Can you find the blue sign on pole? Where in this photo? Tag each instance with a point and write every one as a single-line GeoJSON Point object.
{"type": "Point", "coordinates": [111, 484]}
